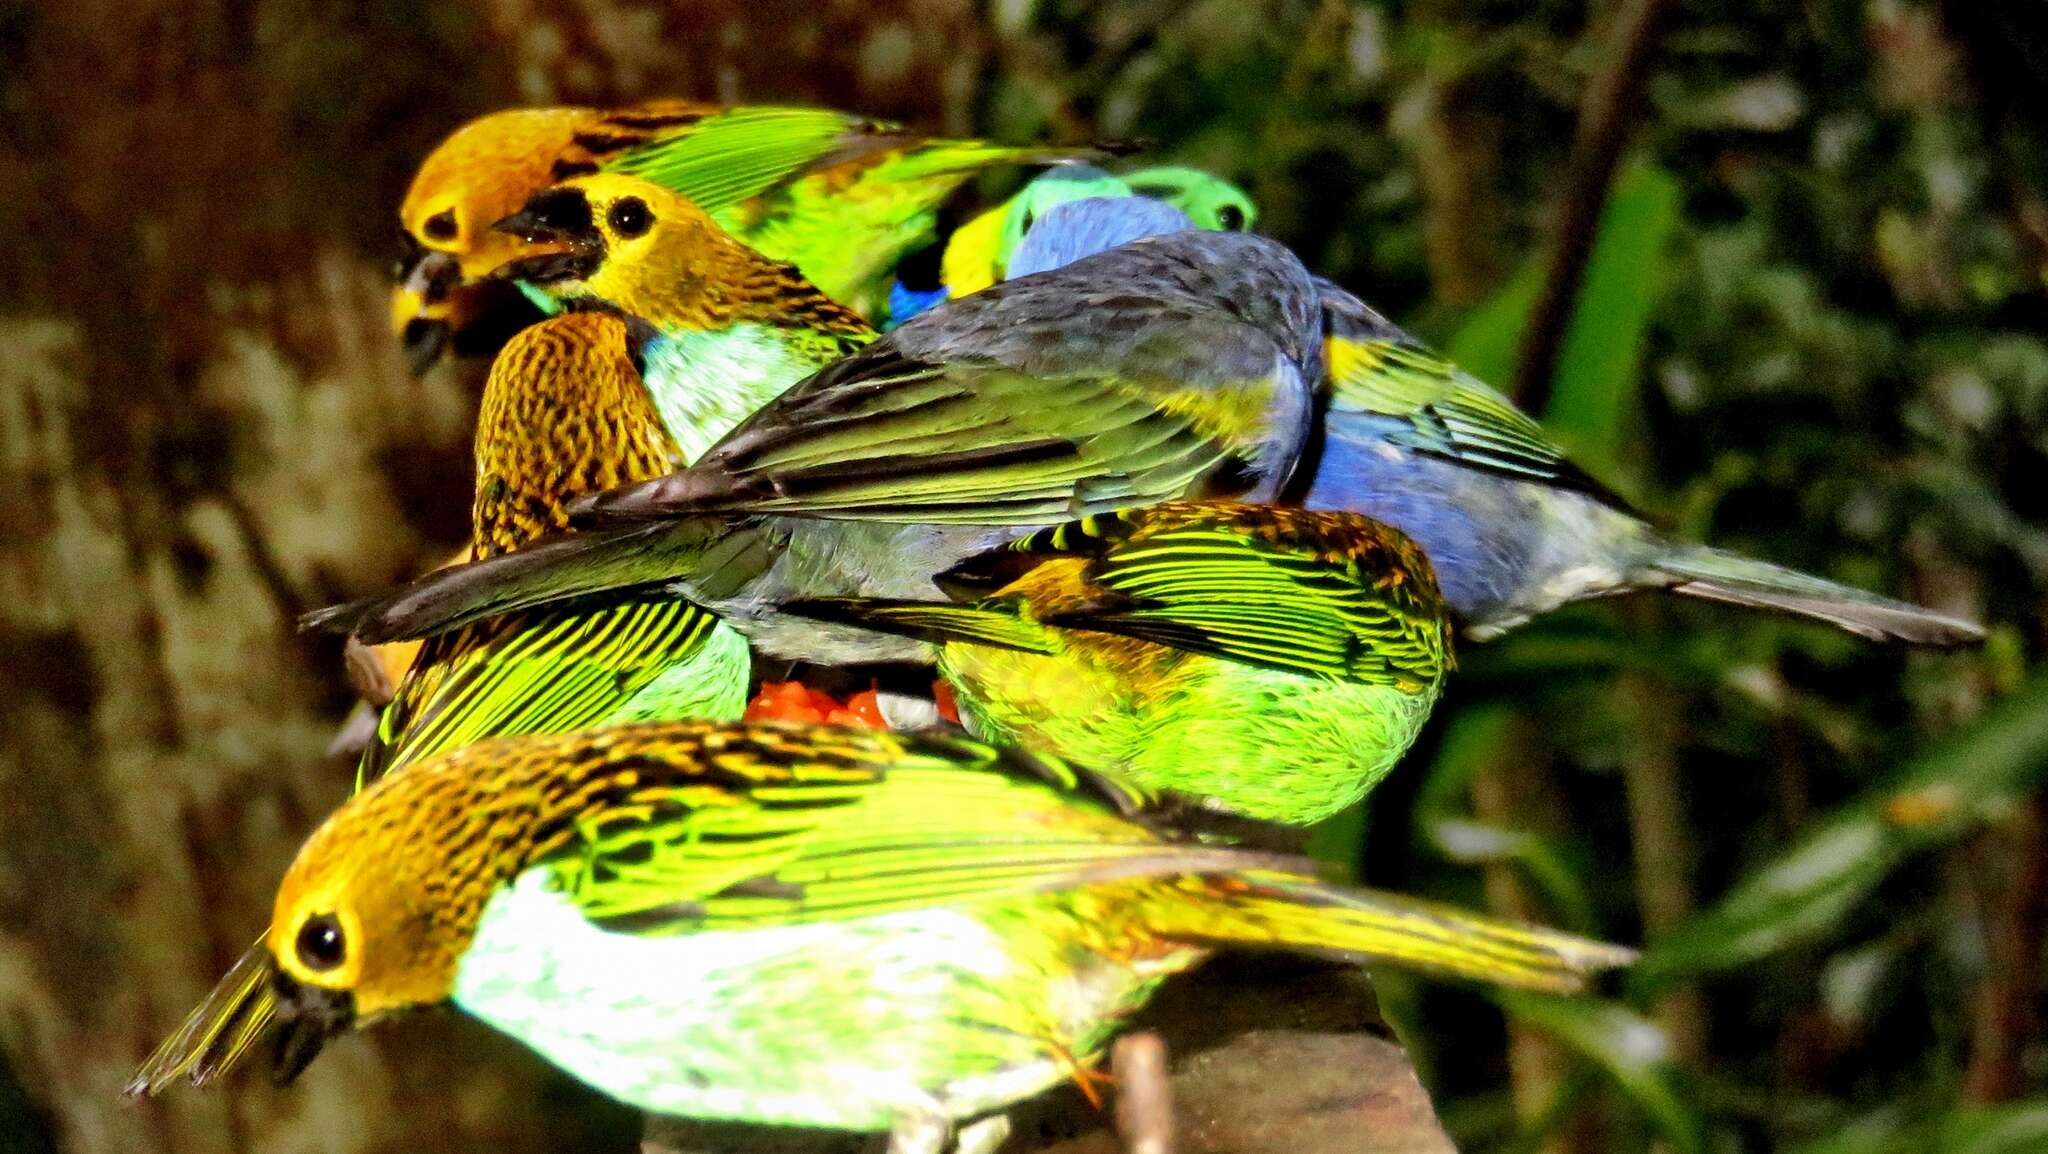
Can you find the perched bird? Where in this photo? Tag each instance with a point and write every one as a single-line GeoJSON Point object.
{"type": "Point", "coordinates": [1271, 662]}
{"type": "Point", "coordinates": [979, 253]}
{"type": "Point", "coordinates": [807, 926]}
{"type": "Point", "coordinates": [1067, 232]}
{"type": "Point", "coordinates": [1181, 366]}
{"type": "Point", "coordinates": [725, 328]}
{"type": "Point", "coordinates": [563, 414]}
{"type": "Point", "coordinates": [1209, 200]}
{"type": "Point", "coordinates": [1512, 527]}
{"type": "Point", "coordinates": [843, 197]}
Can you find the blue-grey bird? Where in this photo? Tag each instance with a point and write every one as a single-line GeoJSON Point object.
{"type": "Point", "coordinates": [1512, 526]}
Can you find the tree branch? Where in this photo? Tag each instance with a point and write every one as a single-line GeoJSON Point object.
{"type": "Point", "coordinates": [1605, 116]}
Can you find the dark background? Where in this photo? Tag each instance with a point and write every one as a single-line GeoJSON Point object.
{"type": "Point", "coordinates": [1810, 325]}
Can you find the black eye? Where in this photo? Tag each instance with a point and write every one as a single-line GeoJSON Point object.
{"type": "Point", "coordinates": [320, 945]}
{"type": "Point", "coordinates": [1231, 218]}
{"type": "Point", "coordinates": [440, 226]}
{"type": "Point", "coordinates": [630, 218]}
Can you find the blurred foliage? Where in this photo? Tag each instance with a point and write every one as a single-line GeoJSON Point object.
{"type": "Point", "coordinates": [1811, 328]}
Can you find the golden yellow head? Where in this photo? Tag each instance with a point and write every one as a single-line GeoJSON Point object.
{"type": "Point", "coordinates": [374, 914]}
{"type": "Point", "coordinates": [652, 254]}
{"type": "Point", "coordinates": [484, 172]}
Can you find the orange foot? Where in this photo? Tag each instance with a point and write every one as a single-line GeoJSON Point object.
{"type": "Point", "coordinates": [795, 702]}
{"type": "Point", "coordinates": [942, 695]}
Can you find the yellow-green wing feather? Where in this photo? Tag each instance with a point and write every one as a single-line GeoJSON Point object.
{"type": "Point", "coordinates": [1444, 411]}
{"type": "Point", "coordinates": [927, 824]}
{"type": "Point", "coordinates": [1227, 591]}
{"type": "Point", "coordinates": [541, 673]}
{"type": "Point", "coordinates": [977, 443]}
{"type": "Point", "coordinates": [742, 152]}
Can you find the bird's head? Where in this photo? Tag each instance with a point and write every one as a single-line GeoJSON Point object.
{"type": "Point", "coordinates": [647, 252]}
{"type": "Point", "coordinates": [487, 168]}
{"type": "Point", "coordinates": [1212, 202]}
{"type": "Point", "coordinates": [1062, 185]}
{"type": "Point", "coordinates": [1081, 228]}
{"type": "Point", "coordinates": [374, 914]}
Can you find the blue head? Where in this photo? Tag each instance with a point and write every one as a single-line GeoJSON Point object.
{"type": "Point", "coordinates": [1067, 232]}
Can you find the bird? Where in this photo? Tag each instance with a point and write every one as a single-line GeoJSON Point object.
{"type": "Point", "coordinates": [979, 253]}
{"type": "Point", "coordinates": [844, 197]}
{"type": "Point", "coordinates": [1270, 662]}
{"type": "Point", "coordinates": [809, 926]}
{"type": "Point", "coordinates": [1209, 200]}
{"type": "Point", "coordinates": [1183, 366]}
{"type": "Point", "coordinates": [1512, 526]}
{"type": "Point", "coordinates": [1067, 232]}
{"type": "Point", "coordinates": [563, 413]}
{"type": "Point", "coordinates": [719, 354]}
{"type": "Point", "coordinates": [723, 328]}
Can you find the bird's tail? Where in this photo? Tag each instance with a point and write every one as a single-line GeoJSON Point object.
{"type": "Point", "coordinates": [1260, 909]}
{"type": "Point", "coordinates": [965, 158]}
{"type": "Point", "coordinates": [216, 1036]}
{"type": "Point", "coordinates": [703, 559]}
{"type": "Point", "coordinates": [935, 621]}
{"type": "Point", "coordinates": [1718, 575]}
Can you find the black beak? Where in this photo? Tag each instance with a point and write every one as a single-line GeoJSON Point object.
{"type": "Point", "coordinates": [308, 1017]}
{"type": "Point", "coordinates": [423, 341]}
{"type": "Point", "coordinates": [560, 218]}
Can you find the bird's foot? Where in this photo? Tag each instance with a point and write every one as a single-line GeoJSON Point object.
{"type": "Point", "coordinates": [983, 1135]}
{"type": "Point", "coordinates": [1144, 1097]}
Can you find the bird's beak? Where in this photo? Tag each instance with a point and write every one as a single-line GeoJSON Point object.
{"type": "Point", "coordinates": [309, 1016]}
{"type": "Point", "coordinates": [422, 305]}
{"type": "Point", "coordinates": [558, 221]}
{"type": "Point", "coordinates": [423, 340]}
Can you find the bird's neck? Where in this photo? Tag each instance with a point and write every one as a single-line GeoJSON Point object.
{"type": "Point", "coordinates": [539, 447]}
{"type": "Point", "coordinates": [734, 330]}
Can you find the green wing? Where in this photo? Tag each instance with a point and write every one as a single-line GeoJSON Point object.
{"type": "Point", "coordinates": [935, 621]}
{"type": "Point", "coordinates": [841, 197]}
{"type": "Point", "coordinates": [878, 824]}
{"type": "Point", "coordinates": [743, 152]}
{"type": "Point", "coordinates": [1227, 590]}
{"type": "Point", "coordinates": [1439, 409]}
{"type": "Point", "coordinates": [972, 442]}
{"type": "Point", "coordinates": [550, 672]}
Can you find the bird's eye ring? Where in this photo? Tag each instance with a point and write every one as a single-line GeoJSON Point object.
{"type": "Point", "coordinates": [320, 944]}
{"type": "Point", "coordinates": [441, 225]}
{"type": "Point", "coordinates": [1231, 218]}
{"type": "Point", "coordinates": [630, 217]}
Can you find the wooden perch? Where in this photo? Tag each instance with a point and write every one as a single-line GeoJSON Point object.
{"type": "Point", "coordinates": [1262, 1054]}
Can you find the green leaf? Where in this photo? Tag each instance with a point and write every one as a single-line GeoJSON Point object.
{"type": "Point", "coordinates": [2019, 1128]}
{"type": "Point", "coordinates": [1473, 741]}
{"type": "Point", "coordinates": [1486, 344]}
{"type": "Point", "coordinates": [1972, 777]}
{"type": "Point", "coordinates": [1629, 1048]}
{"type": "Point", "coordinates": [1593, 398]}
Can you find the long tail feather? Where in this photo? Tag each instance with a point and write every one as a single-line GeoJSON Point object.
{"type": "Point", "coordinates": [1718, 575]}
{"type": "Point", "coordinates": [215, 1037]}
{"type": "Point", "coordinates": [1269, 910]}
{"type": "Point", "coordinates": [705, 560]}
{"type": "Point", "coordinates": [933, 621]}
